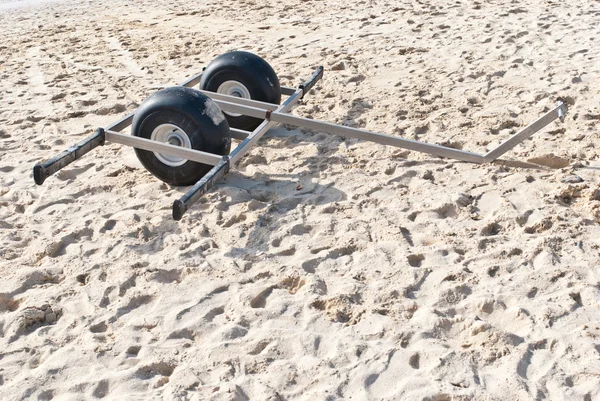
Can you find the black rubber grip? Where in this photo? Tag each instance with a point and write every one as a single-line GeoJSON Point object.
{"type": "Point", "coordinates": [182, 205]}
{"type": "Point", "coordinates": [315, 77]}
{"type": "Point", "coordinates": [45, 169]}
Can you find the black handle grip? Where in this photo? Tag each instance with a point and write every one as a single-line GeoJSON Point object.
{"type": "Point", "coordinates": [315, 77]}
{"type": "Point", "coordinates": [181, 205]}
{"type": "Point", "coordinates": [43, 170]}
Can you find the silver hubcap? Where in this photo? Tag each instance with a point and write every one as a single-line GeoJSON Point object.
{"type": "Point", "coordinates": [234, 88]}
{"type": "Point", "coordinates": [173, 135]}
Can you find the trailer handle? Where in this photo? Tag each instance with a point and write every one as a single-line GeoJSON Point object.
{"type": "Point", "coordinates": [220, 170]}
{"type": "Point", "coordinates": [314, 78]}
{"type": "Point", "coordinates": [45, 169]}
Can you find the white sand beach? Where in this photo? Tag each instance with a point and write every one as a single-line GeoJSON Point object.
{"type": "Point", "coordinates": [320, 268]}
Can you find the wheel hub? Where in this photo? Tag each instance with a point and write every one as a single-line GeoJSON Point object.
{"type": "Point", "coordinates": [173, 135]}
{"type": "Point", "coordinates": [234, 88]}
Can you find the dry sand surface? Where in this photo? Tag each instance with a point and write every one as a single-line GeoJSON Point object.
{"type": "Point", "coordinates": [321, 268]}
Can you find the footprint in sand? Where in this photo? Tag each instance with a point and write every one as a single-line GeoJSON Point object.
{"type": "Point", "coordinates": [415, 260]}
{"type": "Point", "coordinates": [116, 47]}
{"type": "Point", "coordinates": [133, 351]}
{"type": "Point", "coordinates": [185, 333]}
{"type": "Point", "coordinates": [100, 327]}
{"type": "Point", "coordinates": [101, 389]}
{"type": "Point", "coordinates": [491, 229]}
{"type": "Point", "coordinates": [260, 301]}
{"type": "Point", "coordinates": [550, 161]}
{"type": "Point", "coordinates": [162, 368]}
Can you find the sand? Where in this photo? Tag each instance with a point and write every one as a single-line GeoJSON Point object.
{"type": "Point", "coordinates": [320, 268]}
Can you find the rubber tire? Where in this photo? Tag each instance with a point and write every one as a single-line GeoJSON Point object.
{"type": "Point", "coordinates": [197, 115]}
{"type": "Point", "coordinates": [253, 72]}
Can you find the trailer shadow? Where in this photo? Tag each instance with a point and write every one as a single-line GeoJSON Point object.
{"type": "Point", "coordinates": [258, 200]}
{"type": "Point", "coordinates": [329, 146]}
{"type": "Point", "coordinates": [281, 200]}
{"type": "Point", "coordinates": [254, 207]}
{"type": "Point", "coordinates": [260, 204]}
{"type": "Point", "coordinates": [287, 198]}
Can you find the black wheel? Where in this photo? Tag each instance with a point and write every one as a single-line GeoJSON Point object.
{"type": "Point", "coordinates": [242, 74]}
{"type": "Point", "coordinates": [183, 117]}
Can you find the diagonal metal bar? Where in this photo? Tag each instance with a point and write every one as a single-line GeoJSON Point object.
{"type": "Point", "coordinates": [239, 134]}
{"type": "Point", "coordinates": [383, 139]}
{"type": "Point", "coordinates": [193, 81]}
{"type": "Point", "coordinates": [287, 91]}
{"type": "Point", "coordinates": [234, 107]}
{"type": "Point", "coordinates": [558, 112]}
{"type": "Point", "coordinates": [281, 116]}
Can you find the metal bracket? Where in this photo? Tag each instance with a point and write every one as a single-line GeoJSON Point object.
{"type": "Point", "coordinates": [561, 112]}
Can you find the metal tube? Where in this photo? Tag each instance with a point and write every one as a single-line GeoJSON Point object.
{"type": "Point", "coordinates": [241, 109]}
{"type": "Point", "coordinates": [282, 117]}
{"type": "Point", "coordinates": [121, 124]}
{"type": "Point", "coordinates": [241, 100]}
{"type": "Point", "coordinates": [43, 170]}
{"type": "Point", "coordinates": [557, 112]}
{"type": "Point", "coordinates": [287, 91]}
{"type": "Point", "coordinates": [239, 134]}
{"type": "Point", "coordinates": [181, 205]}
{"type": "Point", "coordinates": [195, 80]}
{"type": "Point", "coordinates": [320, 126]}
{"type": "Point", "coordinates": [165, 148]}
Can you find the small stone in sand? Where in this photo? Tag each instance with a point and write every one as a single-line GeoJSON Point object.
{"type": "Point", "coordinates": [338, 66]}
{"type": "Point", "coordinates": [572, 179]}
